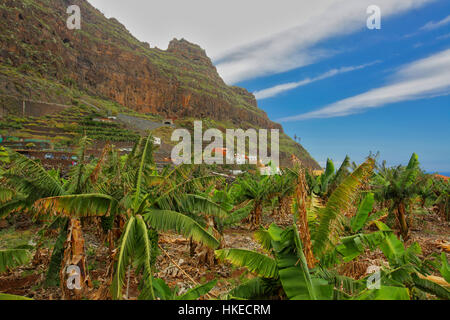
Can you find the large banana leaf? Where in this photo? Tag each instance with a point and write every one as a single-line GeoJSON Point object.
{"type": "Point", "coordinates": [33, 171]}
{"type": "Point", "coordinates": [409, 176]}
{"type": "Point", "coordinates": [12, 258]}
{"type": "Point", "coordinates": [293, 270]}
{"type": "Point", "coordinates": [256, 262]}
{"type": "Point", "coordinates": [327, 176]}
{"type": "Point", "coordinates": [431, 287]}
{"type": "Point", "coordinates": [143, 257]}
{"type": "Point", "coordinates": [445, 269]}
{"type": "Point", "coordinates": [392, 247]}
{"type": "Point", "coordinates": [385, 293]}
{"type": "Point", "coordinates": [77, 206]}
{"type": "Point", "coordinates": [147, 156]}
{"type": "Point", "coordinates": [126, 251]}
{"type": "Point", "coordinates": [165, 220]}
{"type": "Point", "coordinates": [266, 236]}
{"type": "Point", "coordinates": [11, 206]}
{"type": "Point", "coordinates": [366, 206]}
{"type": "Point", "coordinates": [5, 296]}
{"type": "Point", "coordinates": [353, 246]}
{"type": "Point", "coordinates": [198, 291]}
{"type": "Point", "coordinates": [162, 290]}
{"type": "Point", "coordinates": [238, 215]}
{"type": "Point", "coordinates": [340, 175]}
{"type": "Point", "coordinates": [192, 203]}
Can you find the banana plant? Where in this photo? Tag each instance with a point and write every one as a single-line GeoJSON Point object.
{"type": "Point", "coordinates": [64, 202]}
{"type": "Point", "coordinates": [425, 189]}
{"type": "Point", "coordinates": [142, 211]}
{"type": "Point", "coordinates": [283, 187]}
{"type": "Point", "coordinates": [325, 184]}
{"type": "Point", "coordinates": [326, 234]}
{"type": "Point", "coordinates": [85, 195]}
{"type": "Point", "coordinates": [282, 271]}
{"type": "Point", "coordinates": [441, 190]}
{"type": "Point", "coordinates": [255, 189]}
{"type": "Point", "coordinates": [284, 267]}
{"type": "Point", "coordinates": [399, 185]}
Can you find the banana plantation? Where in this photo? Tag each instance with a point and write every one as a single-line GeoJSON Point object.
{"type": "Point", "coordinates": [117, 228]}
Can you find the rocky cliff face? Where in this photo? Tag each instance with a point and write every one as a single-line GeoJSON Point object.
{"type": "Point", "coordinates": [104, 59]}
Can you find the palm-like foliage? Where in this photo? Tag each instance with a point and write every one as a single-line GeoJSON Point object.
{"type": "Point", "coordinates": [398, 185]}
{"type": "Point", "coordinates": [255, 189]}
{"type": "Point", "coordinates": [341, 200]}
{"type": "Point", "coordinates": [325, 184]}
{"type": "Point", "coordinates": [132, 198]}
{"type": "Point", "coordinates": [441, 190]}
{"type": "Point", "coordinates": [148, 204]}
{"type": "Point", "coordinates": [282, 188]}
{"type": "Point", "coordinates": [112, 187]}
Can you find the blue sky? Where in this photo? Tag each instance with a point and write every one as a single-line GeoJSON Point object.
{"type": "Point", "coordinates": [419, 125]}
{"type": "Point", "coordinates": [351, 90]}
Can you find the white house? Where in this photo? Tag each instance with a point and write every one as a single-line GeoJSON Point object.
{"type": "Point", "coordinates": [240, 159]}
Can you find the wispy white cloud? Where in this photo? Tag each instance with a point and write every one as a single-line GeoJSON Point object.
{"type": "Point", "coordinates": [424, 78]}
{"type": "Point", "coordinates": [276, 90]}
{"type": "Point", "coordinates": [296, 47]}
{"type": "Point", "coordinates": [435, 25]}
{"type": "Point", "coordinates": [445, 36]}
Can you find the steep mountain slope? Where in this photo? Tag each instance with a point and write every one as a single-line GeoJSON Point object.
{"type": "Point", "coordinates": [41, 58]}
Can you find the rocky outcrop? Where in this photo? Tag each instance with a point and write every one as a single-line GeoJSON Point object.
{"type": "Point", "coordinates": [104, 59]}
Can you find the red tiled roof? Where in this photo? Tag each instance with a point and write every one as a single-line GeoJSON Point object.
{"type": "Point", "coordinates": [441, 177]}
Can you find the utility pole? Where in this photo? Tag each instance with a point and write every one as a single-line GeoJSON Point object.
{"type": "Point", "coordinates": [23, 108]}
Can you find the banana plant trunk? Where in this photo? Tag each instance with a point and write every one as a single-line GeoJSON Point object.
{"type": "Point", "coordinates": [256, 215]}
{"type": "Point", "coordinates": [74, 273]}
{"type": "Point", "coordinates": [207, 256]}
{"type": "Point", "coordinates": [303, 227]}
{"type": "Point", "coordinates": [443, 210]}
{"type": "Point", "coordinates": [401, 216]}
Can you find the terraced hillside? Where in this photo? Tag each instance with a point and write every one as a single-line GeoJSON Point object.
{"type": "Point", "coordinates": [60, 130]}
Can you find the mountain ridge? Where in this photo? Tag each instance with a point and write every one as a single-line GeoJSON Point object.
{"type": "Point", "coordinates": [104, 59]}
